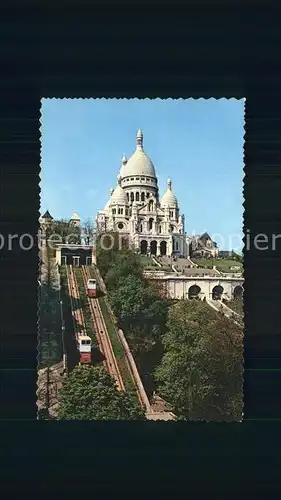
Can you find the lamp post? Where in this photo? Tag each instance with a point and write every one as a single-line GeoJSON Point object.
{"type": "Point", "coordinates": [64, 354]}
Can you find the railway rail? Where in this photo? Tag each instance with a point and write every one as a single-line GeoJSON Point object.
{"type": "Point", "coordinates": [132, 369]}
{"type": "Point", "coordinates": [103, 339]}
{"type": "Point", "coordinates": [77, 313]}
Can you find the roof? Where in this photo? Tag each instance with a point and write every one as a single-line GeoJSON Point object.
{"type": "Point", "coordinates": [206, 235]}
{"type": "Point", "coordinates": [75, 216]}
{"type": "Point", "coordinates": [47, 215]}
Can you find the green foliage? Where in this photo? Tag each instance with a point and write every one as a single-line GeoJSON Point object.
{"type": "Point", "coordinates": [116, 346]}
{"type": "Point", "coordinates": [126, 263]}
{"type": "Point", "coordinates": [105, 254]}
{"type": "Point", "coordinates": [141, 313]}
{"type": "Point", "coordinates": [202, 367]}
{"type": "Point", "coordinates": [237, 257]}
{"type": "Point", "coordinates": [223, 265]}
{"type": "Point", "coordinates": [89, 393]}
{"type": "Point", "coordinates": [137, 305]}
{"type": "Point", "coordinates": [236, 305]}
{"type": "Point", "coordinates": [65, 232]}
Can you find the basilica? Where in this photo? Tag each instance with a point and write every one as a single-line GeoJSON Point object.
{"type": "Point", "coordinates": [153, 224]}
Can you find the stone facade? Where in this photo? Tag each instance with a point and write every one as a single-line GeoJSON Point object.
{"type": "Point", "coordinates": [134, 209]}
{"type": "Point", "coordinates": [188, 287]}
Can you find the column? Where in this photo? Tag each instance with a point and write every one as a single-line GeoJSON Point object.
{"type": "Point", "coordinates": [158, 253]}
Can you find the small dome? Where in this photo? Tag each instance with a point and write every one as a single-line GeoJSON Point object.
{"type": "Point", "coordinates": [169, 199]}
{"type": "Point", "coordinates": [139, 163]}
{"type": "Point", "coordinates": [118, 196]}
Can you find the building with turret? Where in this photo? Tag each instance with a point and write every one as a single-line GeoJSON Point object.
{"type": "Point", "coordinates": [152, 224]}
{"type": "Point", "coordinates": [75, 219]}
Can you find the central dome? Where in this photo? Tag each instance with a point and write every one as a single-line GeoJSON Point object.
{"type": "Point", "coordinates": [139, 163]}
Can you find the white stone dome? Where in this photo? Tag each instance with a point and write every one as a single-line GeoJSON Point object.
{"type": "Point", "coordinates": [139, 163]}
{"type": "Point", "coordinates": [169, 199]}
{"type": "Point", "coordinates": [118, 196]}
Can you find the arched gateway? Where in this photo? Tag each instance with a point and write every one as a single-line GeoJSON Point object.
{"type": "Point", "coordinates": [238, 292]}
{"type": "Point", "coordinates": [217, 292]}
{"type": "Point", "coordinates": [193, 292]}
{"type": "Point", "coordinates": [143, 247]}
{"type": "Point", "coordinates": [163, 248]}
{"type": "Point", "coordinates": [153, 247]}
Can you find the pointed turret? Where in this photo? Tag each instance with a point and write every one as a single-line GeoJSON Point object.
{"type": "Point", "coordinates": [139, 139]}
{"type": "Point", "coordinates": [75, 216]}
{"type": "Point", "coordinates": [47, 216]}
{"type": "Point", "coordinates": [124, 163]}
{"type": "Point", "coordinates": [75, 219]}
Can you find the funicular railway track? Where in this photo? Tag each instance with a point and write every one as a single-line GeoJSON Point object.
{"type": "Point", "coordinates": [77, 313]}
{"type": "Point", "coordinates": [133, 371]}
{"type": "Point", "coordinates": [103, 339]}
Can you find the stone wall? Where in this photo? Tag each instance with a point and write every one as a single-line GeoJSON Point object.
{"type": "Point", "coordinates": [49, 382]}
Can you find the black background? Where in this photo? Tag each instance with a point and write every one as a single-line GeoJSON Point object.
{"type": "Point", "coordinates": [188, 49]}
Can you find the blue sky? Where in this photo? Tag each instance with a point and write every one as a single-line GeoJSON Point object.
{"type": "Point", "coordinates": [198, 143]}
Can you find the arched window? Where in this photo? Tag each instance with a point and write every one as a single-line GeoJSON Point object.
{"type": "Point", "coordinates": [142, 196]}
{"type": "Point", "coordinates": [160, 229]}
{"type": "Point", "coordinates": [150, 206]}
{"type": "Point", "coordinates": [132, 196]}
{"type": "Point", "coordinates": [150, 223]}
{"type": "Point", "coordinates": [137, 196]}
{"type": "Point", "coordinates": [128, 197]}
{"type": "Point", "coordinates": [147, 195]}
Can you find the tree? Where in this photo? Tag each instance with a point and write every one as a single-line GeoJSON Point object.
{"type": "Point", "coordinates": [89, 393]}
{"type": "Point", "coordinates": [66, 231]}
{"type": "Point", "coordinates": [140, 312]}
{"type": "Point", "coordinates": [128, 298]}
{"type": "Point", "coordinates": [88, 231]}
{"type": "Point", "coordinates": [105, 251]}
{"type": "Point", "coordinates": [125, 263]}
{"type": "Point", "coordinates": [202, 367]}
